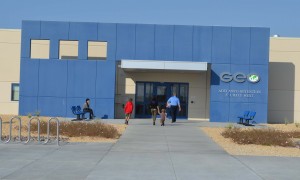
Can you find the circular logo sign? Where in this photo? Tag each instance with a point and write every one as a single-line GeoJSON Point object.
{"type": "Point", "coordinates": [254, 78]}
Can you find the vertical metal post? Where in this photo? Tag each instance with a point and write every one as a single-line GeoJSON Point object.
{"type": "Point", "coordinates": [57, 130]}
{"type": "Point", "coordinates": [10, 128]}
{"type": "Point", "coordinates": [29, 133]}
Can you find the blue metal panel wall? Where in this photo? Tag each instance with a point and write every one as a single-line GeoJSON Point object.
{"type": "Point", "coordinates": [53, 78]}
{"type": "Point", "coordinates": [52, 106]}
{"type": "Point", "coordinates": [53, 86]}
{"type": "Point", "coordinates": [105, 86]}
{"type": "Point", "coordinates": [104, 108]}
{"type": "Point", "coordinates": [56, 31]}
{"type": "Point", "coordinates": [243, 50]}
{"type": "Point", "coordinates": [30, 30]}
{"type": "Point", "coordinates": [217, 86]}
{"type": "Point", "coordinates": [234, 68]}
{"type": "Point", "coordinates": [125, 41]}
{"type": "Point", "coordinates": [144, 42]}
{"type": "Point", "coordinates": [183, 43]}
{"type": "Point", "coordinates": [259, 51]}
{"type": "Point", "coordinates": [29, 86]}
{"type": "Point", "coordinates": [164, 42]}
{"type": "Point", "coordinates": [221, 42]}
{"type": "Point", "coordinates": [219, 111]}
{"type": "Point", "coordinates": [83, 32]}
{"type": "Point", "coordinates": [108, 33]}
{"type": "Point", "coordinates": [263, 71]}
{"type": "Point", "coordinates": [29, 77]}
{"type": "Point", "coordinates": [28, 105]}
{"type": "Point", "coordinates": [202, 41]}
{"type": "Point", "coordinates": [240, 45]}
{"type": "Point", "coordinates": [81, 79]}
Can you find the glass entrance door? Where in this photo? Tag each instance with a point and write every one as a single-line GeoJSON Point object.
{"type": "Point", "coordinates": [162, 91]}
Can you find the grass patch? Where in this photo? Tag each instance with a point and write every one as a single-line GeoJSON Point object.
{"type": "Point", "coordinates": [268, 137]}
{"type": "Point", "coordinates": [78, 129]}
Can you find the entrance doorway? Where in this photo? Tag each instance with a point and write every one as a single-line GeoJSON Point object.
{"type": "Point", "coordinates": [162, 91]}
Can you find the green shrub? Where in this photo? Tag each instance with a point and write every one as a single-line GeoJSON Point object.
{"type": "Point", "coordinates": [268, 137]}
{"type": "Point", "coordinates": [78, 129]}
{"type": "Point", "coordinates": [29, 115]}
{"type": "Point", "coordinates": [229, 126]}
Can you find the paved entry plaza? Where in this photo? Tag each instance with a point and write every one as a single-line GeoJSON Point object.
{"type": "Point", "coordinates": [176, 151]}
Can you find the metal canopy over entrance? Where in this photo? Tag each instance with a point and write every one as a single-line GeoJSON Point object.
{"type": "Point", "coordinates": [136, 65]}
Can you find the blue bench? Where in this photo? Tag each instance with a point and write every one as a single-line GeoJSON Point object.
{"type": "Point", "coordinates": [247, 116]}
{"type": "Point", "coordinates": [241, 118]}
{"type": "Point", "coordinates": [250, 117]}
{"type": "Point", "coordinates": [76, 110]}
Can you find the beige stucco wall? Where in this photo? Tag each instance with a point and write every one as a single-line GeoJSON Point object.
{"type": "Point", "coordinates": [284, 84]}
{"type": "Point", "coordinates": [199, 85]}
{"type": "Point", "coordinates": [10, 46]}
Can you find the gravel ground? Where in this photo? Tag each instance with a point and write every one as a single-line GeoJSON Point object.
{"type": "Point", "coordinates": [253, 150]}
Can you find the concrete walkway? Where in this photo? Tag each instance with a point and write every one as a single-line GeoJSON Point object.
{"type": "Point", "coordinates": [176, 151]}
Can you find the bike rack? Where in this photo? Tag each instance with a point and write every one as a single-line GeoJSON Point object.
{"type": "Point", "coordinates": [0, 130]}
{"type": "Point", "coordinates": [10, 128]}
{"type": "Point", "coordinates": [29, 133]}
{"type": "Point", "coordinates": [48, 130]}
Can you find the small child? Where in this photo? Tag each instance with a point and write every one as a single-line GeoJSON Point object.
{"type": "Point", "coordinates": [163, 116]}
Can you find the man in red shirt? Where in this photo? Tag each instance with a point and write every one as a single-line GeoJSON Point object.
{"type": "Point", "coordinates": [128, 110]}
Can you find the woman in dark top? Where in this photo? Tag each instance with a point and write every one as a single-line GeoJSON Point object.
{"type": "Point", "coordinates": [154, 108]}
{"type": "Point", "coordinates": [86, 108]}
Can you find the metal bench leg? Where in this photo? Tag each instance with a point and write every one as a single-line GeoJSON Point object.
{"type": "Point", "coordinates": [241, 121]}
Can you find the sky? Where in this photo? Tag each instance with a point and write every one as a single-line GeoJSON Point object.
{"type": "Point", "coordinates": [281, 16]}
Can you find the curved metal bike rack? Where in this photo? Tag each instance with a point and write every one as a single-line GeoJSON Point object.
{"type": "Point", "coordinates": [48, 130]}
{"type": "Point", "coordinates": [29, 133]}
{"type": "Point", "coordinates": [0, 130]}
{"type": "Point", "coordinates": [10, 128]}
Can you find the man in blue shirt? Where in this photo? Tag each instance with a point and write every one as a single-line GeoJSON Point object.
{"type": "Point", "coordinates": [174, 104]}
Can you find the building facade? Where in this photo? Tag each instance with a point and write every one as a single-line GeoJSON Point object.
{"type": "Point", "coordinates": [62, 63]}
{"type": "Point", "coordinates": [284, 88]}
{"type": "Point", "coordinates": [10, 47]}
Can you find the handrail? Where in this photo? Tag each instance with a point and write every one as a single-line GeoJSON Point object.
{"type": "Point", "coordinates": [10, 128]}
{"type": "Point", "coordinates": [57, 130]}
{"type": "Point", "coordinates": [29, 133]}
{"type": "Point", "coordinates": [0, 130]}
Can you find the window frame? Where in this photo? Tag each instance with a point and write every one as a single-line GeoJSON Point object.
{"type": "Point", "coordinates": [97, 58]}
{"type": "Point", "coordinates": [59, 49]}
{"type": "Point", "coordinates": [30, 53]}
{"type": "Point", "coordinates": [12, 97]}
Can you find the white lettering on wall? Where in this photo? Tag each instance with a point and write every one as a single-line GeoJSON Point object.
{"type": "Point", "coordinates": [247, 93]}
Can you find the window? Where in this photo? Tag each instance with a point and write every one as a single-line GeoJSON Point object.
{"type": "Point", "coordinates": [97, 50]}
{"type": "Point", "coordinates": [14, 92]}
{"type": "Point", "coordinates": [39, 49]}
{"type": "Point", "coordinates": [68, 49]}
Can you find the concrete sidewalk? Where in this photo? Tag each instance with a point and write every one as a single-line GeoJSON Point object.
{"type": "Point", "coordinates": [176, 151]}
